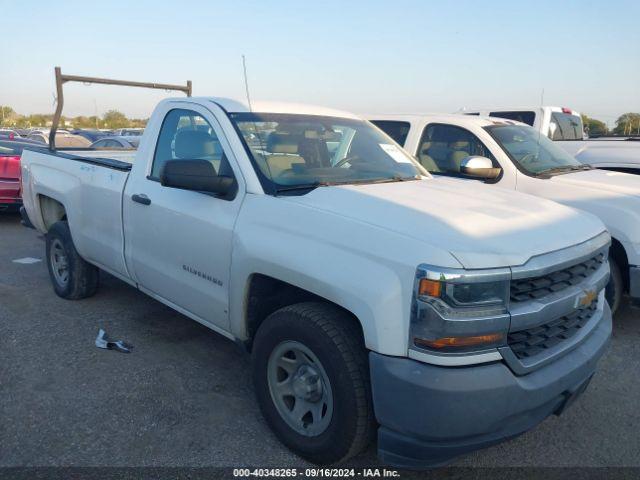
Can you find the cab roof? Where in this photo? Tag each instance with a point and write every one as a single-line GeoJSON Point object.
{"type": "Point", "coordinates": [450, 118]}
{"type": "Point", "coordinates": [239, 106]}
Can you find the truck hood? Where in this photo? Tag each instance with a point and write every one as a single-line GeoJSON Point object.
{"type": "Point", "coordinates": [607, 152]}
{"type": "Point", "coordinates": [480, 225]}
{"type": "Point", "coordinates": [601, 180]}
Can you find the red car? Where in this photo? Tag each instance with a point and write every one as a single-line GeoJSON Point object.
{"type": "Point", "coordinates": [10, 189]}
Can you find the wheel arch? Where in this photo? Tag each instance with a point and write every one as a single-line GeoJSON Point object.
{"type": "Point", "coordinates": [51, 211]}
{"type": "Point", "coordinates": [266, 294]}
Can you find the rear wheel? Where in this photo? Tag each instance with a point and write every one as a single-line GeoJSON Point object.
{"type": "Point", "coordinates": [615, 287]}
{"type": "Point", "coordinates": [72, 277]}
{"type": "Point", "coordinates": [311, 377]}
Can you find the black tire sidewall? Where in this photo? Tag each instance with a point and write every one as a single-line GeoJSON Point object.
{"type": "Point", "coordinates": [60, 231]}
{"type": "Point", "coordinates": [614, 289]}
{"type": "Point", "coordinates": [335, 442]}
{"type": "Point", "coordinates": [83, 277]}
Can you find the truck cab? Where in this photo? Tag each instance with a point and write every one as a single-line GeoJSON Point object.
{"type": "Point", "coordinates": [515, 156]}
{"type": "Point", "coordinates": [564, 126]}
{"type": "Point", "coordinates": [557, 123]}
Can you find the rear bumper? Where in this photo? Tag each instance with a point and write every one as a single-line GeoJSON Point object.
{"type": "Point", "coordinates": [430, 414]}
{"type": "Point", "coordinates": [10, 194]}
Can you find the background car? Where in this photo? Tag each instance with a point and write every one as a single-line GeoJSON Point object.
{"type": "Point", "coordinates": [91, 135]}
{"type": "Point", "coordinates": [63, 139]}
{"type": "Point", "coordinates": [8, 133]}
{"type": "Point", "coordinates": [117, 143]}
{"type": "Point", "coordinates": [128, 132]}
{"type": "Point", "coordinates": [10, 191]}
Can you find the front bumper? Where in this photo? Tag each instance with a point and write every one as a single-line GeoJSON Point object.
{"type": "Point", "coordinates": [430, 414]}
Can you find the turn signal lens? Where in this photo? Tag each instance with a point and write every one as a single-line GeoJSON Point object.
{"type": "Point", "coordinates": [454, 342]}
{"type": "Point", "coordinates": [430, 288]}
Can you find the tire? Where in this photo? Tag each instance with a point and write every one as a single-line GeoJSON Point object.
{"type": "Point", "coordinates": [78, 279]}
{"type": "Point", "coordinates": [329, 334]}
{"type": "Point", "coordinates": [615, 287]}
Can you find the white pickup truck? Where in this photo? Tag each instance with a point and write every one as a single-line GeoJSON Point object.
{"type": "Point", "coordinates": [514, 156]}
{"type": "Point", "coordinates": [372, 298]}
{"type": "Point", "coordinates": [564, 126]}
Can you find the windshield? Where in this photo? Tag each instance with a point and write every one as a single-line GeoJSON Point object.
{"type": "Point", "coordinates": [296, 151]}
{"type": "Point", "coordinates": [532, 152]}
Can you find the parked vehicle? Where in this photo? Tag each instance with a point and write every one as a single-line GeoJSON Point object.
{"type": "Point", "coordinates": [614, 154]}
{"type": "Point", "coordinates": [128, 132]}
{"type": "Point", "coordinates": [370, 295]}
{"type": "Point", "coordinates": [514, 156]}
{"type": "Point", "coordinates": [565, 126]}
{"type": "Point", "coordinates": [63, 139]}
{"type": "Point", "coordinates": [10, 189]}
{"type": "Point", "coordinates": [10, 134]}
{"type": "Point", "coordinates": [116, 143]}
{"type": "Point", "coordinates": [23, 132]}
{"type": "Point", "coordinates": [92, 135]}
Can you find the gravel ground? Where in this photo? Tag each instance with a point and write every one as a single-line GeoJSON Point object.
{"type": "Point", "coordinates": [184, 396]}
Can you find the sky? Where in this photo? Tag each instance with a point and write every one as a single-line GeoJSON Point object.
{"type": "Point", "coordinates": [363, 56]}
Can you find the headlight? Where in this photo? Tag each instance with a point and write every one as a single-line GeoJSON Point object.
{"type": "Point", "coordinates": [460, 311]}
{"type": "Point", "coordinates": [464, 298]}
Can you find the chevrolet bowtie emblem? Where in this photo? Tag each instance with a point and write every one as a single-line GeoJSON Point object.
{"type": "Point", "coordinates": [586, 299]}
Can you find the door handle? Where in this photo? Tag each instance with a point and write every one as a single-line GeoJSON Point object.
{"type": "Point", "coordinates": [141, 198]}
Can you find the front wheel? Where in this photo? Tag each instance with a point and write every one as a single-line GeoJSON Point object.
{"type": "Point", "coordinates": [311, 377]}
{"type": "Point", "coordinates": [615, 287]}
{"type": "Point", "coordinates": [72, 277]}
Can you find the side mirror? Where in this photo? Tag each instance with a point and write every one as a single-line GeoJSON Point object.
{"type": "Point", "coordinates": [197, 175]}
{"type": "Point", "coordinates": [479, 167]}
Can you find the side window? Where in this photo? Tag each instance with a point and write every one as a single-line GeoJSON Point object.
{"type": "Point", "coordinates": [100, 144]}
{"type": "Point", "coordinates": [187, 135]}
{"type": "Point", "coordinates": [524, 117]}
{"type": "Point", "coordinates": [565, 127]}
{"type": "Point", "coordinates": [395, 129]}
{"type": "Point", "coordinates": [443, 147]}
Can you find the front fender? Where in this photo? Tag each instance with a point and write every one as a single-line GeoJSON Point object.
{"type": "Point", "coordinates": [366, 270]}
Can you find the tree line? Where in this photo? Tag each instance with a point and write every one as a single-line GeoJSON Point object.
{"type": "Point", "coordinates": [111, 119]}
{"type": "Point", "coordinates": [626, 124]}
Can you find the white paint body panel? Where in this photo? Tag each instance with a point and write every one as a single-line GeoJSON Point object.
{"type": "Point", "coordinates": [357, 246]}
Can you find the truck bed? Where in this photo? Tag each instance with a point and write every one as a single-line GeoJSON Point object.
{"type": "Point", "coordinates": [118, 159]}
{"type": "Point", "coordinates": [90, 185]}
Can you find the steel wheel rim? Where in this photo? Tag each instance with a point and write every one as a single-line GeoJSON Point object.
{"type": "Point", "coordinates": [59, 263]}
{"type": "Point", "coordinates": [300, 388]}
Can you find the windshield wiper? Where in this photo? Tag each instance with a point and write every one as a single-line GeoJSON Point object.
{"type": "Point", "coordinates": [565, 169]}
{"type": "Point", "coordinates": [311, 186]}
{"type": "Point", "coordinates": [395, 178]}
{"type": "Point", "coordinates": [293, 188]}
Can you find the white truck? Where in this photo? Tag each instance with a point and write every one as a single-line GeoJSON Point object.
{"type": "Point", "coordinates": [371, 297]}
{"type": "Point", "coordinates": [564, 125]}
{"type": "Point", "coordinates": [512, 155]}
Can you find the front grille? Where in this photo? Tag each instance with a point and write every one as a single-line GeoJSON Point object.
{"type": "Point", "coordinates": [537, 287]}
{"type": "Point", "coordinates": [531, 342]}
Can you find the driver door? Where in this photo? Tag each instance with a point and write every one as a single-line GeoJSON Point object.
{"type": "Point", "coordinates": [178, 242]}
